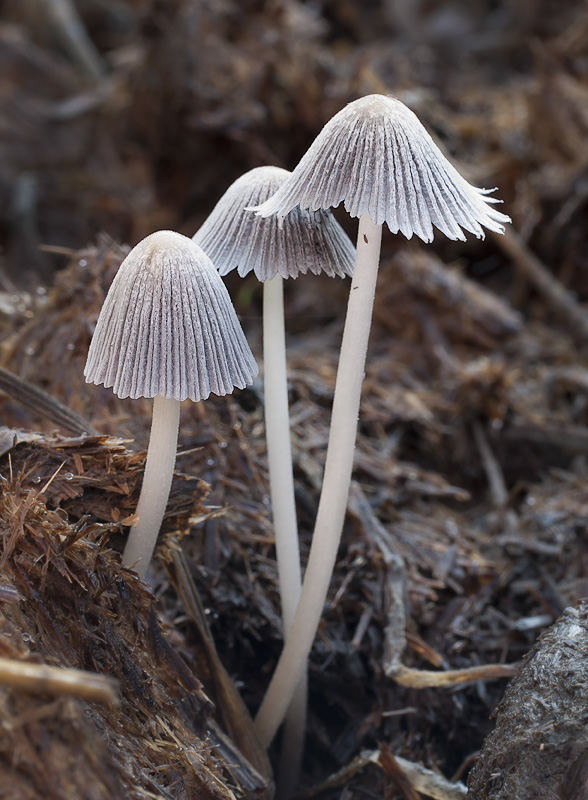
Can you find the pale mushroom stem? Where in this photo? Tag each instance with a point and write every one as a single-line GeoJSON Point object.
{"type": "Point", "coordinates": [336, 482]}
{"type": "Point", "coordinates": [277, 432]}
{"type": "Point", "coordinates": [159, 470]}
{"type": "Point", "coordinates": [279, 451]}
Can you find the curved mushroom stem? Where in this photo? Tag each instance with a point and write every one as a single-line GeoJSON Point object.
{"type": "Point", "coordinates": [337, 478]}
{"type": "Point", "coordinates": [277, 432]}
{"type": "Point", "coordinates": [159, 470]}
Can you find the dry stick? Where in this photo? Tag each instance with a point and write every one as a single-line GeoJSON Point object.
{"type": "Point", "coordinates": [394, 632]}
{"type": "Point", "coordinates": [569, 438]}
{"type": "Point", "coordinates": [58, 681]}
{"type": "Point", "coordinates": [62, 17]}
{"type": "Point", "coordinates": [430, 783]}
{"type": "Point", "coordinates": [425, 679]}
{"type": "Point", "coordinates": [422, 779]}
{"type": "Point", "coordinates": [559, 298]}
{"type": "Point", "coordinates": [496, 483]}
{"type": "Point", "coordinates": [279, 451]}
{"type": "Point", "coordinates": [235, 717]}
{"type": "Point", "coordinates": [395, 640]}
{"type": "Point", "coordinates": [394, 772]}
{"type": "Point", "coordinates": [40, 402]}
{"type": "Point", "coordinates": [337, 477]}
{"type": "Point", "coordinates": [492, 469]}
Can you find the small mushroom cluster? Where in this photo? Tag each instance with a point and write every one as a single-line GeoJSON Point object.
{"type": "Point", "coordinates": [377, 158]}
{"type": "Point", "coordinates": [168, 331]}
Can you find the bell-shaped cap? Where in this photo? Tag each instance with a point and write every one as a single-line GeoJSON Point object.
{"type": "Point", "coordinates": [307, 241]}
{"type": "Point", "coordinates": [376, 156]}
{"type": "Point", "coordinates": [168, 327]}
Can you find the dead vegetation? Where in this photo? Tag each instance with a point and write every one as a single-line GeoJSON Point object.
{"type": "Point", "coordinates": [466, 534]}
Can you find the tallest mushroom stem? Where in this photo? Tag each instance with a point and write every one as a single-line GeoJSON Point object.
{"type": "Point", "coordinates": [337, 478]}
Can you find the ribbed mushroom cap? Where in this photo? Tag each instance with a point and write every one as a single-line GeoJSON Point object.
{"type": "Point", "coordinates": [376, 156]}
{"type": "Point", "coordinates": [307, 241]}
{"type": "Point", "coordinates": [168, 327]}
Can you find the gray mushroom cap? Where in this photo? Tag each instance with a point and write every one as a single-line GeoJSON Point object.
{"type": "Point", "coordinates": [307, 241]}
{"type": "Point", "coordinates": [168, 327]}
{"type": "Point", "coordinates": [375, 156]}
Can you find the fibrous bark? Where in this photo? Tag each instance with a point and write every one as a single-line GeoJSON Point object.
{"type": "Point", "coordinates": [538, 747]}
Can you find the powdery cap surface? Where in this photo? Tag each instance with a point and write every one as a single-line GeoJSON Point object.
{"type": "Point", "coordinates": [376, 156]}
{"type": "Point", "coordinates": [306, 241]}
{"type": "Point", "coordinates": [168, 327]}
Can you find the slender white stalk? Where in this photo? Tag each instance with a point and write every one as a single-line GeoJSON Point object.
{"type": "Point", "coordinates": [159, 470]}
{"type": "Point", "coordinates": [279, 451]}
{"type": "Point", "coordinates": [277, 431]}
{"type": "Point", "coordinates": [337, 478]}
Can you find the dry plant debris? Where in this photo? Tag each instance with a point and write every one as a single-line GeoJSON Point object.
{"type": "Point", "coordinates": [475, 572]}
{"type": "Point", "coordinates": [67, 601]}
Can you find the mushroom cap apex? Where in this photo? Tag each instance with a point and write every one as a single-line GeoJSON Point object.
{"type": "Point", "coordinates": [376, 157]}
{"type": "Point", "coordinates": [163, 237]}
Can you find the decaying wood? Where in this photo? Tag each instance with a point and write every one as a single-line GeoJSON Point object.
{"type": "Point", "coordinates": [538, 747]}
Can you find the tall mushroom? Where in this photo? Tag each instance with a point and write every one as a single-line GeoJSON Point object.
{"type": "Point", "coordinates": [167, 330]}
{"type": "Point", "coordinates": [308, 241]}
{"type": "Point", "coordinates": [377, 158]}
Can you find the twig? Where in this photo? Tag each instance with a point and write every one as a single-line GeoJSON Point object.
{"type": "Point", "coordinates": [559, 298]}
{"type": "Point", "coordinates": [496, 481]}
{"type": "Point", "coordinates": [491, 467]}
{"type": "Point", "coordinates": [422, 779]}
{"type": "Point", "coordinates": [425, 679]}
{"type": "Point", "coordinates": [40, 402]}
{"type": "Point", "coordinates": [63, 19]}
{"type": "Point", "coordinates": [397, 775]}
{"type": "Point", "coordinates": [234, 714]}
{"type": "Point", "coordinates": [59, 681]}
{"type": "Point", "coordinates": [569, 438]}
{"type": "Point", "coordinates": [395, 638]}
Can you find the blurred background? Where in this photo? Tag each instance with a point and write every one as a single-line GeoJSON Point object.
{"type": "Point", "coordinates": [125, 116]}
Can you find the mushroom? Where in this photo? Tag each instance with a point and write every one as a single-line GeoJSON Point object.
{"type": "Point", "coordinates": [377, 158]}
{"type": "Point", "coordinates": [308, 241]}
{"type": "Point", "coordinates": [167, 330]}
